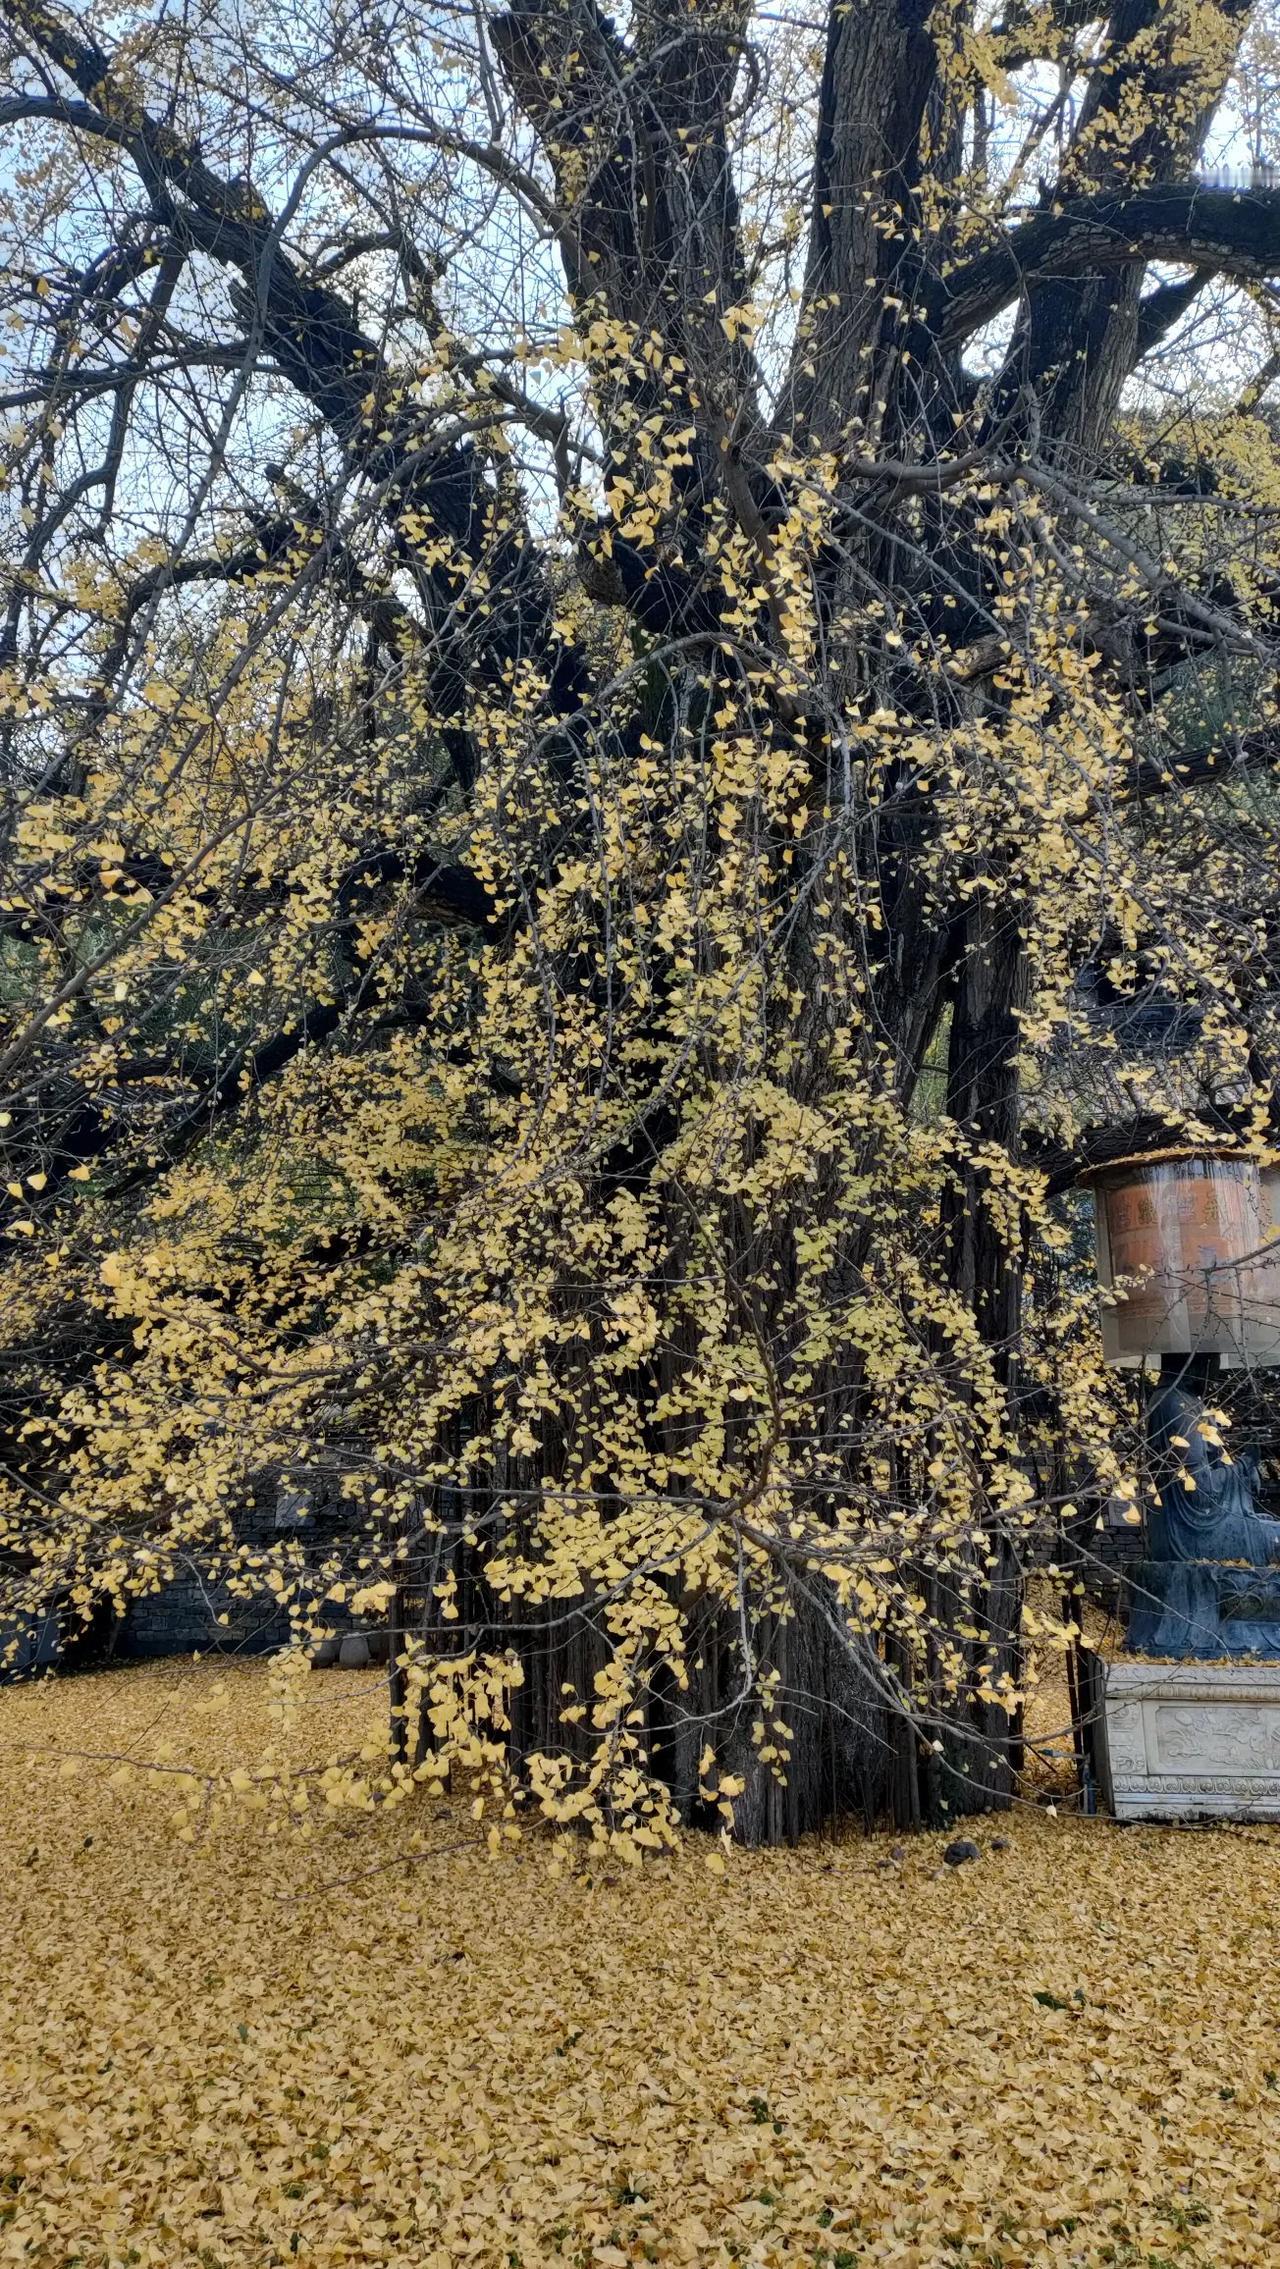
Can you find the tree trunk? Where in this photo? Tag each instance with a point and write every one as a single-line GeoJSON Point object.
{"type": "Point", "coordinates": [986, 1265]}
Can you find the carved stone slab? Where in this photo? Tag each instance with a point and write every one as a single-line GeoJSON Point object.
{"type": "Point", "coordinates": [1195, 1740]}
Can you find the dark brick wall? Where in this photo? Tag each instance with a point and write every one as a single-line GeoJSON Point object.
{"type": "Point", "coordinates": [36, 1642]}
{"type": "Point", "coordinates": [183, 1619]}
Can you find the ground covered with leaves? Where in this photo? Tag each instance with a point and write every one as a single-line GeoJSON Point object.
{"type": "Point", "coordinates": [246, 2050]}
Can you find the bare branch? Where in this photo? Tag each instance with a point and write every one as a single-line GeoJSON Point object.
{"type": "Point", "coordinates": [1226, 232]}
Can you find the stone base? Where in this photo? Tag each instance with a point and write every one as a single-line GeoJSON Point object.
{"type": "Point", "coordinates": [1191, 1741]}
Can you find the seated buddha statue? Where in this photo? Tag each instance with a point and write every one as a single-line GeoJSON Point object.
{"type": "Point", "coordinates": [1210, 1586]}
{"type": "Point", "coordinates": [1206, 1495]}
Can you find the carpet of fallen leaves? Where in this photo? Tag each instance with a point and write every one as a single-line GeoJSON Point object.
{"type": "Point", "coordinates": [258, 2052]}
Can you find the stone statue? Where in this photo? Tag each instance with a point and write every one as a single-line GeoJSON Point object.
{"type": "Point", "coordinates": [1211, 1585]}
{"type": "Point", "coordinates": [1206, 1498]}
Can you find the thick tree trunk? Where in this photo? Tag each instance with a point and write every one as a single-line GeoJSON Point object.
{"type": "Point", "coordinates": [841, 1756]}
{"type": "Point", "coordinates": [980, 1755]}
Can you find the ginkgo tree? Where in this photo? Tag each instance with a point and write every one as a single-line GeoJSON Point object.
{"type": "Point", "coordinates": [624, 641]}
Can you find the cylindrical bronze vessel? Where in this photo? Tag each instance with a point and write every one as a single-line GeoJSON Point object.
{"type": "Point", "coordinates": [1191, 1235]}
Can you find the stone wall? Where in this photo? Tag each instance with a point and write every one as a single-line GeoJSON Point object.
{"type": "Point", "coordinates": [35, 1642]}
{"type": "Point", "coordinates": [182, 1615]}
{"type": "Point", "coordinates": [182, 1618]}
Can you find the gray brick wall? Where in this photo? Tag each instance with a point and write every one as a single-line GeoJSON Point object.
{"type": "Point", "coordinates": [182, 1618]}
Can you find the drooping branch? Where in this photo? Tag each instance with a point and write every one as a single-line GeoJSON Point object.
{"type": "Point", "coordinates": [277, 541]}
{"type": "Point", "coordinates": [1221, 762]}
{"type": "Point", "coordinates": [1025, 33]}
{"type": "Point", "coordinates": [451, 894]}
{"type": "Point", "coordinates": [447, 896]}
{"type": "Point", "coordinates": [315, 340]}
